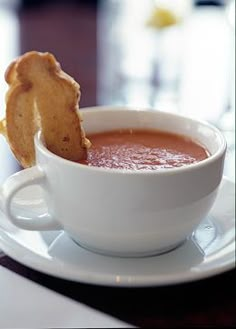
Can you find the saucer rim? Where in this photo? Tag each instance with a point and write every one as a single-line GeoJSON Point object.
{"type": "Point", "coordinates": [72, 273]}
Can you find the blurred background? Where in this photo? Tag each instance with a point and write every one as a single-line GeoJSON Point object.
{"type": "Point", "coordinates": [171, 55]}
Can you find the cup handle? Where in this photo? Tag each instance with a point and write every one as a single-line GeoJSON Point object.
{"type": "Point", "coordinates": [16, 182]}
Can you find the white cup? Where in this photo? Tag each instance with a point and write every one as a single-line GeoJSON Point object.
{"type": "Point", "coordinates": [123, 212]}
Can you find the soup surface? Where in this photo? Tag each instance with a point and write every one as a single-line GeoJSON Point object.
{"type": "Point", "coordinates": [142, 150]}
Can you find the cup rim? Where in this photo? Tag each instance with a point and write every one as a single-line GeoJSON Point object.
{"type": "Point", "coordinates": [39, 144]}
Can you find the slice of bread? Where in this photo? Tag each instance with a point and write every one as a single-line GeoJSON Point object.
{"type": "Point", "coordinates": [42, 97]}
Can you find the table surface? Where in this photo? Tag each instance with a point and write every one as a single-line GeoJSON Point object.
{"type": "Point", "coordinates": [70, 32]}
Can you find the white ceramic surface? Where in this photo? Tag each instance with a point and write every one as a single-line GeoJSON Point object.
{"type": "Point", "coordinates": [210, 250]}
{"type": "Point", "coordinates": [122, 212]}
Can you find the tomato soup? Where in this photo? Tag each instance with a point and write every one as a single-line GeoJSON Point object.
{"type": "Point", "coordinates": [142, 150]}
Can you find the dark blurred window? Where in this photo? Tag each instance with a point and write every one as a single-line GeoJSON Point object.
{"type": "Point", "coordinates": [30, 3]}
{"type": "Point", "coordinates": [209, 3]}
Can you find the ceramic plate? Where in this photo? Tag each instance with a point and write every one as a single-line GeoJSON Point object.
{"type": "Point", "coordinates": [209, 251]}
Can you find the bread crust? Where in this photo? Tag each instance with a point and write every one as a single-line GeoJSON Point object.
{"type": "Point", "coordinates": [42, 97]}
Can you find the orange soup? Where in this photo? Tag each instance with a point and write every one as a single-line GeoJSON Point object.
{"type": "Point", "coordinates": [142, 150]}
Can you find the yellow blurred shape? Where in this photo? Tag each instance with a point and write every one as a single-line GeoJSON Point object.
{"type": "Point", "coordinates": [161, 18]}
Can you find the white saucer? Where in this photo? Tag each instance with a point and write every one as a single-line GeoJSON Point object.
{"type": "Point", "coordinates": [210, 251]}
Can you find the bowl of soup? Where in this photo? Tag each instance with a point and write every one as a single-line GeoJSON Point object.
{"type": "Point", "coordinates": [148, 180]}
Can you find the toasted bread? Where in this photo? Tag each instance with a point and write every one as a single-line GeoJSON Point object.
{"type": "Point", "coordinates": [42, 97]}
